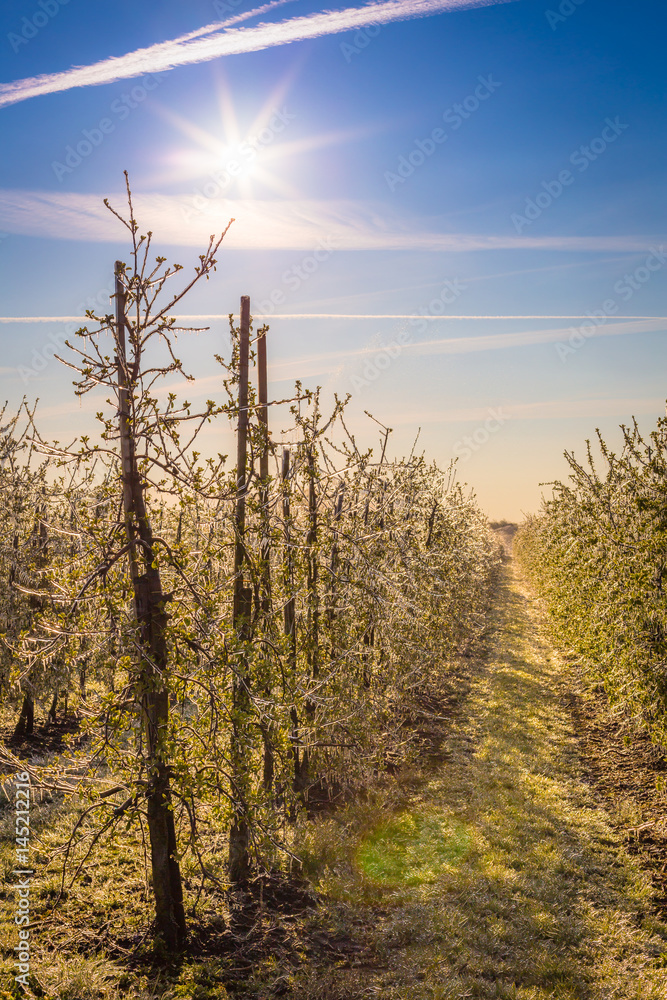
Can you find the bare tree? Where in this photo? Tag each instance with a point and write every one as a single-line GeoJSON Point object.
{"type": "Point", "coordinates": [151, 445]}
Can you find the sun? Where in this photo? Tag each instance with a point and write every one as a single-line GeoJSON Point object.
{"type": "Point", "coordinates": [241, 158]}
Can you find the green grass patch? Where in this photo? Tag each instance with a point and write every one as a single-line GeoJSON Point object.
{"type": "Point", "coordinates": [412, 849]}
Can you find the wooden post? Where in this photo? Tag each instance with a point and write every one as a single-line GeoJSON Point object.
{"type": "Point", "coordinates": [263, 415]}
{"type": "Point", "coordinates": [289, 615]}
{"type": "Point", "coordinates": [239, 859]}
{"type": "Point", "coordinates": [265, 548]}
{"type": "Point", "coordinates": [369, 633]}
{"type": "Point", "coordinates": [313, 614]}
{"type": "Point", "coordinates": [431, 523]}
{"type": "Point", "coordinates": [263, 411]}
{"type": "Point", "coordinates": [312, 575]}
{"type": "Point", "coordinates": [289, 612]}
{"type": "Point", "coordinates": [331, 611]}
{"type": "Point", "coordinates": [241, 452]}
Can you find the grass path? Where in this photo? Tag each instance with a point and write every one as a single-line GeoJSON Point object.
{"type": "Point", "coordinates": [499, 876]}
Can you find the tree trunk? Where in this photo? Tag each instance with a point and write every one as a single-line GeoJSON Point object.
{"type": "Point", "coordinates": [82, 679]}
{"type": "Point", "coordinates": [151, 688]}
{"type": "Point", "coordinates": [369, 638]}
{"type": "Point", "coordinates": [26, 721]}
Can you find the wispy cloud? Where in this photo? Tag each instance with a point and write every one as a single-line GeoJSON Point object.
{"type": "Point", "coordinates": [41, 319]}
{"type": "Point", "coordinates": [525, 338]}
{"type": "Point", "coordinates": [323, 362]}
{"type": "Point", "coordinates": [550, 409]}
{"type": "Point", "coordinates": [347, 361]}
{"type": "Point", "coordinates": [210, 42]}
{"type": "Point", "coordinates": [272, 224]}
{"type": "Point", "coordinates": [337, 363]}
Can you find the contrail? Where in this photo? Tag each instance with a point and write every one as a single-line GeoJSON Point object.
{"type": "Point", "coordinates": [210, 42]}
{"type": "Point", "coordinates": [419, 316]}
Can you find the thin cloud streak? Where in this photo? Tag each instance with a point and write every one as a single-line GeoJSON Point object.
{"type": "Point", "coordinates": [526, 338]}
{"type": "Point", "coordinates": [210, 43]}
{"type": "Point", "coordinates": [419, 316]}
{"type": "Point", "coordinates": [552, 409]}
{"type": "Point", "coordinates": [561, 409]}
{"type": "Point", "coordinates": [338, 363]}
{"type": "Point", "coordinates": [299, 225]}
{"type": "Point", "coordinates": [324, 364]}
{"type": "Point", "coordinates": [41, 319]}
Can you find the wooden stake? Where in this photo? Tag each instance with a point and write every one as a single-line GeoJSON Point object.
{"type": "Point", "coordinates": [289, 613]}
{"type": "Point", "coordinates": [263, 415]}
{"type": "Point", "coordinates": [239, 858]}
{"type": "Point", "coordinates": [241, 456]}
{"type": "Point", "coordinates": [289, 619]}
{"type": "Point", "coordinates": [264, 596]}
{"type": "Point", "coordinates": [263, 399]}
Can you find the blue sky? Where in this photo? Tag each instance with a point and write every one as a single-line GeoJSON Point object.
{"type": "Point", "coordinates": [445, 159]}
